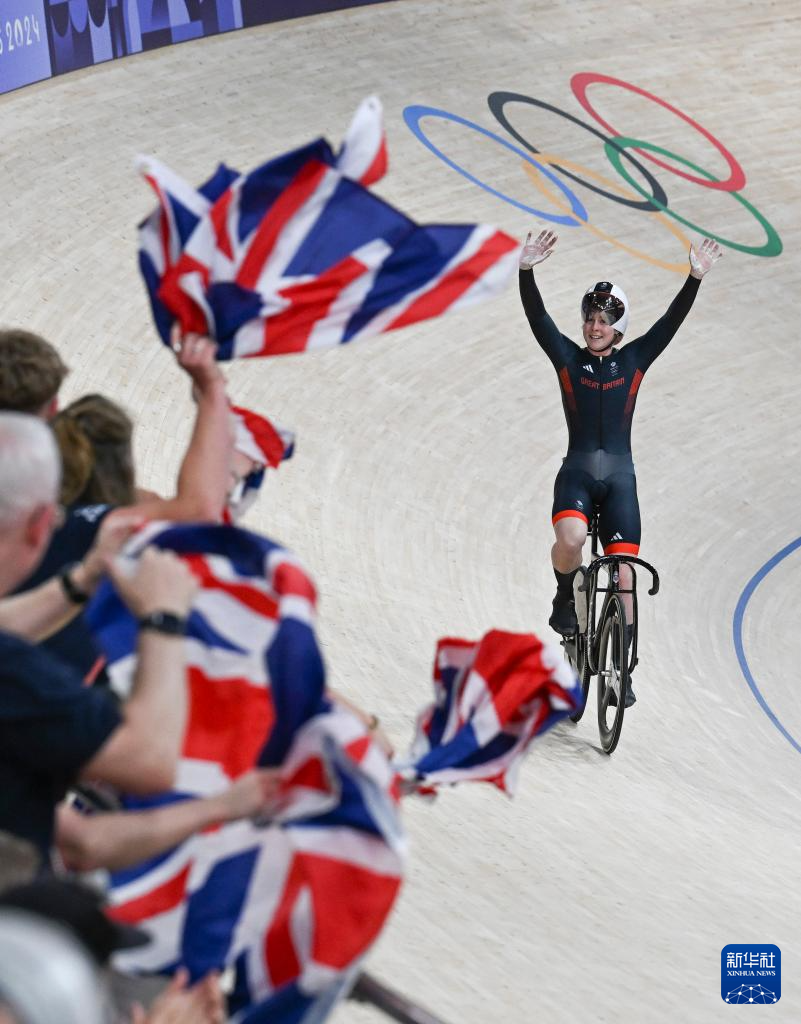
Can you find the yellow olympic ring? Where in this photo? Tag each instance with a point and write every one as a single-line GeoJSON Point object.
{"type": "Point", "coordinates": [550, 158]}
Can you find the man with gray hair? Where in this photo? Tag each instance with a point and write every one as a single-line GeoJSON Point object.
{"type": "Point", "coordinates": [53, 730]}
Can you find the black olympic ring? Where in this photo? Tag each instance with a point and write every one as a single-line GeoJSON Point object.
{"type": "Point", "coordinates": [498, 100]}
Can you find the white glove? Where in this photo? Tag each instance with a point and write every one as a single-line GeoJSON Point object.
{"type": "Point", "coordinates": [538, 250]}
{"type": "Point", "coordinates": [704, 258]}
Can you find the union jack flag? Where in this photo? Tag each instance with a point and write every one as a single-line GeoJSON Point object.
{"type": "Point", "coordinates": [293, 903]}
{"type": "Point", "coordinates": [264, 444]}
{"type": "Point", "coordinates": [299, 254]}
{"type": "Point", "coordinates": [492, 697]}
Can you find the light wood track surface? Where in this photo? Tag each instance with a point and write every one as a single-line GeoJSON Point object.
{"type": "Point", "coordinates": [420, 493]}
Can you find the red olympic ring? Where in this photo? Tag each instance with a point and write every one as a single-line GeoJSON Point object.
{"type": "Point", "coordinates": [736, 178]}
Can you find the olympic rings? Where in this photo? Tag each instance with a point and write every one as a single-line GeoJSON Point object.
{"type": "Point", "coordinates": [412, 116]}
{"type": "Point", "coordinates": [498, 100]}
{"type": "Point", "coordinates": [615, 147]}
{"type": "Point", "coordinates": [679, 268]}
{"type": "Point", "coordinates": [736, 178]}
{"type": "Point", "coordinates": [772, 247]}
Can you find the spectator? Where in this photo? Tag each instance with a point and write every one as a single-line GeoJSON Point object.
{"type": "Point", "coordinates": [79, 910]}
{"type": "Point", "coordinates": [94, 435]}
{"type": "Point", "coordinates": [49, 972]}
{"type": "Point", "coordinates": [31, 372]}
{"type": "Point", "coordinates": [45, 975]}
{"type": "Point", "coordinates": [53, 730]}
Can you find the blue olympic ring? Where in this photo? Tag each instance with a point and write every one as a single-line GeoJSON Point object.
{"type": "Point", "coordinates": [412, 116]}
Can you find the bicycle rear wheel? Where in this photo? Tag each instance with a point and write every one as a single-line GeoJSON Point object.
{"type": "Point", "coordinates": [613, 674]}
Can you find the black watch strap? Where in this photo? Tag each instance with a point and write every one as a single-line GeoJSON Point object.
{"type": "Point", "coordinates": [164, 622]}
{"type": "Point", "coordinates": [73, 594]}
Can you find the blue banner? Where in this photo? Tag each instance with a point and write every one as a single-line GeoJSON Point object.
{"type": "Point", "coordinates": [24, 50]}
{"type": "Point", "coordinates": [41, 38]}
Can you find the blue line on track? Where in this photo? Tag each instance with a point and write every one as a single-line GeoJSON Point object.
{"type": "Point", "coordinates": [739, 614]}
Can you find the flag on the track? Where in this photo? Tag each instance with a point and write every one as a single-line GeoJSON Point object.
{"type": "Point", "coordinates": [491, 699]}
{"type": "Point", "coordinates": [293, 903]}
{"type": "Point", "coordinates": [299, 254]}
{"type": "Point", "coordinates": [264, 444]}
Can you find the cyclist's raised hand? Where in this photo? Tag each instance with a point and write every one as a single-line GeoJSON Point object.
{"type": "Point", "coordinates": [538, 250]}
{"type": "Point", "coordinates": [704, 257]}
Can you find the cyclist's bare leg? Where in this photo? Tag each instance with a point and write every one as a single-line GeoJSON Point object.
{"type": "Point", "coordinates": [571, 533]}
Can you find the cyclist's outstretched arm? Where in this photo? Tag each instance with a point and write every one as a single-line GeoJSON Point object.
{"type": "Point", "coordinates": [655, 341]}
{"type": "Point", "coordinates": [542, 326]}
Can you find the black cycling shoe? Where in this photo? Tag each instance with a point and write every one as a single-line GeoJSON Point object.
{"type": "Point", "coordinates": [630, 697]}
{"type": "Point", "coordinates": [563, 616]}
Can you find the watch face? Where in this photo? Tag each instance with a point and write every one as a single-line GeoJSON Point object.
{"type": "Point", "coordinates": [74, 594]}
{"type": "Point", "coordinates": [164, 622]}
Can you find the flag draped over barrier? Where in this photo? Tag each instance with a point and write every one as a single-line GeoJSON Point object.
{"type": "Point", "coordinates": [299, 254]}
{"type": "Point", "coordinates": [291, 904]}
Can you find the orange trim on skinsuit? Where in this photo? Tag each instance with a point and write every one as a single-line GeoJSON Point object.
{"type": "Point", "coordinates": [570, 513]}
{"type": "Point", "coordinates": [567, 388]}
{"type": "Point", "coordinates": [632, 395]}
{"type": "Point", "coordinates": [621, 548]}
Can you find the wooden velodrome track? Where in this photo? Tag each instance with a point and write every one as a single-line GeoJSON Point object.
{"type": "Point", "coordinates": [420, 493]}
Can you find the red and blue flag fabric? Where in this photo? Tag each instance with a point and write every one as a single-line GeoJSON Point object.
{"type": "Point", "coordinates": [262, 441]}
{"type": "Point", "coordinates": [300, 254]}
{"type": "Point", "coordinates": [492, 698]}
{"type": "Point", "coordinates": [292, 903]}
{"type": "Point", "coordinates": [264, 444]}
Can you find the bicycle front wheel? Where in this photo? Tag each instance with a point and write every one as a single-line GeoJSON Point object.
{"type": "Point", "coordinates": [577, 656]}
{"type": "Point", "coordinates": [613, 674]}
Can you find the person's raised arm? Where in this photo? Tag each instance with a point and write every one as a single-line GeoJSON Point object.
{"type": "Point", "coordinates": [542, 326]}
{"type": "Point", "coordinates": [141, 755]}
{"type": "Point", "coordinates": [702, 259]}
{"type": "Point", "coordinates": [533, 253]}
{"type": "Point", "coordinates": [204, 477]}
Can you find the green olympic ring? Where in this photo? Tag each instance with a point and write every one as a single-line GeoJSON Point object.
{"type": "Point", "coordinates": [772, 247]}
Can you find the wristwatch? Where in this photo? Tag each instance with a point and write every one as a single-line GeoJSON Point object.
{"type": "Point", "coordinates": [164, 622]}
{"type": "Point", "coordinates": [73, 594]}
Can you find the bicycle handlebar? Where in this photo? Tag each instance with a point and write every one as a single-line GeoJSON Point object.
{"type": "Point", "coordinates": [599, 563]}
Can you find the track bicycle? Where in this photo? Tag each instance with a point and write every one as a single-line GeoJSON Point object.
{"type": "Point", "coordinates": [598, 645]}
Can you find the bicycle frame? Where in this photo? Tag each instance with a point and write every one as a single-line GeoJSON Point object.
{"type": "Point", "coordinates": [590, 587]}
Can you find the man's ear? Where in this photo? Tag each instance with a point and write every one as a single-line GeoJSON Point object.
{"type": "Point", "coordinates": [39, 526]}
{"type": "Point", "coordinates": [49, 409]}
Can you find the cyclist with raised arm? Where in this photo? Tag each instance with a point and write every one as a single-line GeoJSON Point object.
{"type": "Point", "coordinates": [599, 385]}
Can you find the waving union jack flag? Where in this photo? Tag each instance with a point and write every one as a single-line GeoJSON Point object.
{"type": "Point", "coordinates": [291, 904]}
{"type": "Point", "coordinates": [299, 254]}
{"type": "Point", "coordinates": [264, 444]}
